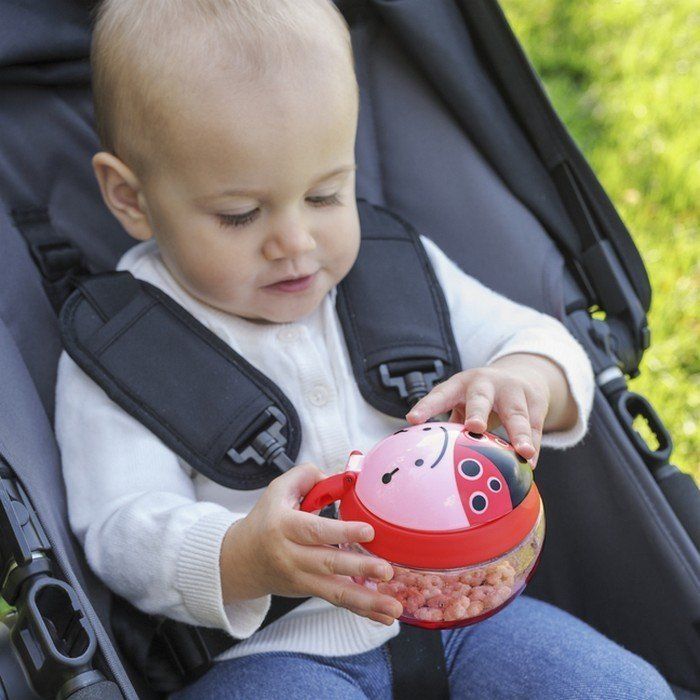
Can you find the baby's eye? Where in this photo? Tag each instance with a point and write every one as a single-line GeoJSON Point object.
{"type": "Point", "coordinates": [324, 201]}
{"type": "Point", "coordinates": [237, 219]}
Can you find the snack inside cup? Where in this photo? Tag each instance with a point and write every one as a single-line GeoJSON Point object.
{"type": "Point", "coordinates": [458, 597]}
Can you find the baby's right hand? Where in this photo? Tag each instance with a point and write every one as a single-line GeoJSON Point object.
{"type": "Point", "coordinates": [279, 549]}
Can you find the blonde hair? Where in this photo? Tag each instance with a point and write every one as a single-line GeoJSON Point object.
{"type": "Point", "coordinates": [136, 43]}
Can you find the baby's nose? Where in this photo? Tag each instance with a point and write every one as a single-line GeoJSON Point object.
{"type": "Point", "coordinates": [289, 243]}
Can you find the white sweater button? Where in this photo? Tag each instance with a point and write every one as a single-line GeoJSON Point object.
{"type": "Point", "coordinates": [288, 335]}
{"type": "Point", "coordinates": [319, 395]}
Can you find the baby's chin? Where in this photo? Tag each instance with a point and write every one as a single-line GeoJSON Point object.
{"type": "Point", "coordinates": [289, 312]}
{"type": "Point", "coordinates": [279, 310]}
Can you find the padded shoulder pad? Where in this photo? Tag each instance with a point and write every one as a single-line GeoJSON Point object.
{"type": "Point", "coordinates": [184, 383]}
{"type": "Point", "coordinates": [393, 310]}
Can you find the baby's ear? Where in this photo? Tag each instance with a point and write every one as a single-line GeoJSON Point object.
{"type": "Point", "coordinates": [121, 191]}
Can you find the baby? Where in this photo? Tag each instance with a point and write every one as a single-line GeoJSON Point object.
{"type": "Point", "coordinates": [228, 133]}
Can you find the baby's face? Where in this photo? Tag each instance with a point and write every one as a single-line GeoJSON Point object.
{"type": "Point", "coordinates": [257, 189]}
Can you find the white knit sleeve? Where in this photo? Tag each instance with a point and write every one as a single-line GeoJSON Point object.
{"type": "Point", "coordinates": [132, 504]}
{"type": "Point", "coordinates": [488, 325]}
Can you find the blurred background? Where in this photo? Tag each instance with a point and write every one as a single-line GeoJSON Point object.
{"type": "Point", "coordinates": [624, 75]}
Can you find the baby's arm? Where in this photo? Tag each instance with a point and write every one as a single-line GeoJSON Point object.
{"type": "Point", "coordinates": [133, 506]}
{"type": "Point", "coordinates": [526, 370]}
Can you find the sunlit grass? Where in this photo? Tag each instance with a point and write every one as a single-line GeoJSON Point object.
{"type": "Point", "coordinates": [624, 75]}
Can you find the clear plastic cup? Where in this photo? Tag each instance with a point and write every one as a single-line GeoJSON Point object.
{"type": "Point", "coordinates": [443, 598]}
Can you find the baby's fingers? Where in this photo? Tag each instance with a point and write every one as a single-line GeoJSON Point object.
{"type": "Point", "coordinates": [444, 397]}
{"type": "Point", "coordinates": [331, 560]}
{"type": "Point", "coordinates": [345, 593]}
{"type": "Point", "coordinates": [477, 405]}
{"type": "Point", "coordinates": [307, 528]}
{"type": "Point", "coordinates": [377, 617]}
{"type": "Point", "coordinates": [537, 408]}
{"type": "Point", "coordinates": [511, 406]}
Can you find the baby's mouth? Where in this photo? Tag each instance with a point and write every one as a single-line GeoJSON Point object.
{"type": "Point", "coordinates": [292, 284]}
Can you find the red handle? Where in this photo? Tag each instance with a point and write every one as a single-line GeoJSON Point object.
{"type": "Point", "coordinates": [328, 490]}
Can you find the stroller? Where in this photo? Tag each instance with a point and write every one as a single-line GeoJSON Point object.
{"type": "Point", "coordinates": [457, 136]}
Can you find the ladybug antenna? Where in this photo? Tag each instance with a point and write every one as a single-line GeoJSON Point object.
{"type": "Point", "coordinates": [442, 451]}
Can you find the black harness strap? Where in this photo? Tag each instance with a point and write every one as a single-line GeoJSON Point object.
{"type": "Point", "coordinates": [180, 380]}
{"type": "Point", "coordinates": [58, 260]}
{"type": "Point", "coordinates": [394, 315]}
{"type": "Point", "coordinates": [419, 665]}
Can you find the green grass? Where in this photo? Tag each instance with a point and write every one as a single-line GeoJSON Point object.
{"type": "Point", "coordinates": [624, 75]}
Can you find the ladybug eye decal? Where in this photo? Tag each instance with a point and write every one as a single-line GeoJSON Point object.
{"type": "Point", "coordinates": [478, 502]}
{"type": "Point", "coordinates": [403, 430]}
{"type": "Point", "coordinates": [419, 462]}
{"type": "Point", "coordinates": [494, 484]}
{"type": "Point", "coordinates": [470, 469]}
{"type": "Point", "coordinates": [476, 436]}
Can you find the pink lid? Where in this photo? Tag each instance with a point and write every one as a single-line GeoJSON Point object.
{"type": "Point", "coordinates": [439, 477]}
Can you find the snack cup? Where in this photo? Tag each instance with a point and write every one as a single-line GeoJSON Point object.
{"type": "Point", "coordinates": [456, 514]}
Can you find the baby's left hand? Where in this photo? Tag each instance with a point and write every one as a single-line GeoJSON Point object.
{"type": "Point", "coordinates": [512, 391]}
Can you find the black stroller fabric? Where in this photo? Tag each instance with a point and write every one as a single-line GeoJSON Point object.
{"type": "Point", "coordinates": [439, 144]}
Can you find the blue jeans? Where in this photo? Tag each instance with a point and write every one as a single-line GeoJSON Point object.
{"type": "Point", "coordinates": [529, 650]}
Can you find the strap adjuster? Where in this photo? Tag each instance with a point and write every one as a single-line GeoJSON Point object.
{"type": "Point", "coordinates": [57, 259]}
{"type": "Point", "coordinates": [414, 379]}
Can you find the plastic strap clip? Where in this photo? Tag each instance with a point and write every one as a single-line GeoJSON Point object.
{"type": "Point", "coordinates": [268, 445]}
{"type": "Point", "coordinates": [414, 379]}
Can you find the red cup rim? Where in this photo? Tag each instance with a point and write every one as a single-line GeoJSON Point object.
{"type": "Point", "coordinates": [451, 549]}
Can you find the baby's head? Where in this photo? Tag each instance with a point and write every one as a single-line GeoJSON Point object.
{"type": "Point", "coordinates": [228, 129]}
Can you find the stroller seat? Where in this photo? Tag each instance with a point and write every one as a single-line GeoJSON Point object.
{"type": "Point", "coordinates": [456, 136]}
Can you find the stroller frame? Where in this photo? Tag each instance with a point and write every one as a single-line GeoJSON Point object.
{"type": "Point", "coordinates": [627, 506]}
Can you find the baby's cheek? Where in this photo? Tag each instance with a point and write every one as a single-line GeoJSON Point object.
{"type": "Point", "coordinates": [341, 250]}
{"type": "Point", "coordinates": [212, 278]}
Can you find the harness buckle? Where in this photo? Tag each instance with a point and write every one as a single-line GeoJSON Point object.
{"type": "Point", "coordinates": [267, 445]}
{"type": "Point", "coordinates": [184, 647]}
{"type": "Point", "coordinates": [413, 379]}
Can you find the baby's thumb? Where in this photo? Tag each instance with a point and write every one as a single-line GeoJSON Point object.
{"type": "Point", "coordinates": [299, 480]}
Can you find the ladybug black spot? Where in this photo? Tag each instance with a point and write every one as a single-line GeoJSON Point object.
{"type": "Point", "coordinates": [521, 459]}
{"type": "Point", "coordinates": [494, 484]}
{"type": "Point", "coordinates": [516, 473]}
{"type": "Point", "coordinates": [419, 462]}
{"type": "Point", "coordinates": [478, 503]}
{"type": "Point", "coordinates": [470, 468]}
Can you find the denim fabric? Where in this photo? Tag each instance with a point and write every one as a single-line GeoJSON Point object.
{"type": "Point", "coordinates": [529, 650]}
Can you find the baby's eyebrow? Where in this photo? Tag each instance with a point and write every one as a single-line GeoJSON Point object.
{"type": "Point", "coordinates": [261, 193]}
{"type": "Point", "coordinates": [337, 171]}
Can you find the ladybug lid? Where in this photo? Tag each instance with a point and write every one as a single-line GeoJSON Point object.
{"type": "Point", "coordinates": [441, 497]}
